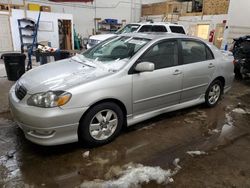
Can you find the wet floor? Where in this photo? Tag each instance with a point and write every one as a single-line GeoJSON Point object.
{"type": "Point", "coordinates": [156, 142]}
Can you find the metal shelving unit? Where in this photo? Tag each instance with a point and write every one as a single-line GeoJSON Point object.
{"type": "Point", "coordinates": [27, 30]}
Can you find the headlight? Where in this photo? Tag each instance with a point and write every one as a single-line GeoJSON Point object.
{"type": "Point", "coordinates": [49, 99]}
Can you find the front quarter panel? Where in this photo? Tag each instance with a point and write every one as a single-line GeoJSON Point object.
{"type": "Point", "coordinates": [116, 86]}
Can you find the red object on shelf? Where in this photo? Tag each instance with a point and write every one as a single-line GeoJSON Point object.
{"type": "Point", "coordinates": [83, 1]}
{"type": "Point", "coordinates": [211, 36]}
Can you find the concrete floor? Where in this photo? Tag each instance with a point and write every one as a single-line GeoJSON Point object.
{"type": "Point", "coordinates": [156, 142]}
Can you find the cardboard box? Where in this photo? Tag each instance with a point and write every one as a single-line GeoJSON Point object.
{"type": "Point", "coordinates": [46, 8]}
{"type": "Point", "coordinates": [2, 7]}
{"type": "Point", "coordinates": [34, 7]}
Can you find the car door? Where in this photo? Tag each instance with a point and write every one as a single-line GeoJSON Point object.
{"type": "Point", "coordinates": [161, 87]}
{"type": "Point", "coordinates": [198, 67]}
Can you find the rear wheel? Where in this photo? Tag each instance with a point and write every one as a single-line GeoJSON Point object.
{"type": "Point", "coordinates": [213, 93]}
{"type": "Point", "coordinates": [101, 124]}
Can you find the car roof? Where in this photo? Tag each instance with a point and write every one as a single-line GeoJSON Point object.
{"type": "Point", "coordinates": [157, 35]}
{"type": "Point", "coordinates": [156, 23]}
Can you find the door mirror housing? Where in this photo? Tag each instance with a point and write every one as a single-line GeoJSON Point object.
{"type": "Point", "coordinates": [145, 67]}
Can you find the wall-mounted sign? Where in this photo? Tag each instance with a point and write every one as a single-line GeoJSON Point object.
{"type": "Point", "coordinates": [46, 26]}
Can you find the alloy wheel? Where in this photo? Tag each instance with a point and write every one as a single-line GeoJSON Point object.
{"type": "Point", "coordinates": [214, 94]}
{"type": "Point", "coordinates": [103, 124]}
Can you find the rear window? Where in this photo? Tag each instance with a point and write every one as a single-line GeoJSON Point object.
{"type": "Point", "coordinates": [128, 29]}
{"type": "Point", "coordinates": [177, 29]}
{"type": "Point", "coordinates": [159, 28]}
{"type": "Point", "coordinates": [146, 28]}
{"type": "Point", "coordinates": [153, 28]}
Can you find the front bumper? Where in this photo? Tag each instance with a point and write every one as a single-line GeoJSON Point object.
{"type": "Point", "coordinates": [45, 126]}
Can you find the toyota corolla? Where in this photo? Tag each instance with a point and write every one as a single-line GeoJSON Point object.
{"type": "Point", "coordinates": [119, 82]}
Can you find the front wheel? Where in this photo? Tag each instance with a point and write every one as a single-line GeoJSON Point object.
{"type": "Point", "coordinates": [213, 93]}
{"type": "Point", "coordinates": [101, 124]}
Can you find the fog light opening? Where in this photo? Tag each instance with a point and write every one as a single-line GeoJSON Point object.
{"type": "Point", "coordinates": [42, 132]}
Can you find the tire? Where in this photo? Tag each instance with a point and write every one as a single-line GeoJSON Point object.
{"type": "Point", "coordinates": [237, 72]}
{"type": "Point", "coordinates": [100, 125]}
{"type": "Point", "coordinates": [214, 88]}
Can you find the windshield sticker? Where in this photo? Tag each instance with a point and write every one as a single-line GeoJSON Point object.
{"type": "Point", "coordinates": [138, 42]}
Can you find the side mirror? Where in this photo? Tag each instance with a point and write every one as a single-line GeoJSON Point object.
{"type": "Point", "coordinates": [145, 67]}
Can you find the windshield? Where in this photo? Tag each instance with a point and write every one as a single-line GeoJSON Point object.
{"type": "Point", "coordinates": [117, 48]}
{"type": "Point", "coordinates": [128, 29]}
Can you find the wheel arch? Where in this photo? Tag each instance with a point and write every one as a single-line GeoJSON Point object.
{"type": "Point", "coordinates": [222, 80]}
{"type": "Point", "coordinates": [116, 101]}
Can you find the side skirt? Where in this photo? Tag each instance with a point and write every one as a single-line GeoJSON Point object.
{"type": "Point", "coordinates": [131, 120]}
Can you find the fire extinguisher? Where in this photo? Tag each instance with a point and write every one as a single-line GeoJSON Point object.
{"type": "Point", "coordinates": [211, 36]}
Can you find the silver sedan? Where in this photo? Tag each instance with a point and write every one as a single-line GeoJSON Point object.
{"type": "Point", "coordinates": [120, 82]}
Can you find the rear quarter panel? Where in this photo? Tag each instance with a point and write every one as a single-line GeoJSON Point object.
{"type": "Point", "coordinates": [225, 66]}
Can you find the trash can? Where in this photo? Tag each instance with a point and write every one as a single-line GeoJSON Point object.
{"type": "Point", "coordinates": [14, 65]}
{"type": "Point", "coordinates": [61, 55]}
{"type": "Point", "coordinates": [64, 54]}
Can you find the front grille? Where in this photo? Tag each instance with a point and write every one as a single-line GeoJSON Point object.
{"type": "Point", "coordinates": [20, 91]}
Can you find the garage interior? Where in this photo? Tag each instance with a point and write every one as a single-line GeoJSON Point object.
{"type": "Point", "coordinates": [191, 147]}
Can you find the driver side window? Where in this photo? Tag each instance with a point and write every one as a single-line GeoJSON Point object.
{"type": "Point", "coordinates": [163, 54]}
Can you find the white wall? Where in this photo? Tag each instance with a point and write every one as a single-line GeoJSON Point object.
{"type": "Point", "coordinates": [212, 20]}
{"type": "Point", "coordinates": [238, 20]}
{"type": "Point", "coordinates": [239, 13]}
{"type": "Point", "coordinates": [5, 34]}
{"type": "Point", "coordinates": [51, 36]}
{"type": "Point", "coordinates": [84, 13]}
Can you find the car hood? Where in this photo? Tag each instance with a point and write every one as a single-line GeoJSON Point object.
{"type": "Point", "coordinates": [65, 74]}
{"type": "Point", "coordinates": [101, 37]}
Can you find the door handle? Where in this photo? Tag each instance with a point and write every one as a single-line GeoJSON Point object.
{"type": "Point", "coordinates": [211, 65]}
{"type": "Point", "coordinates": [177, 72]}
